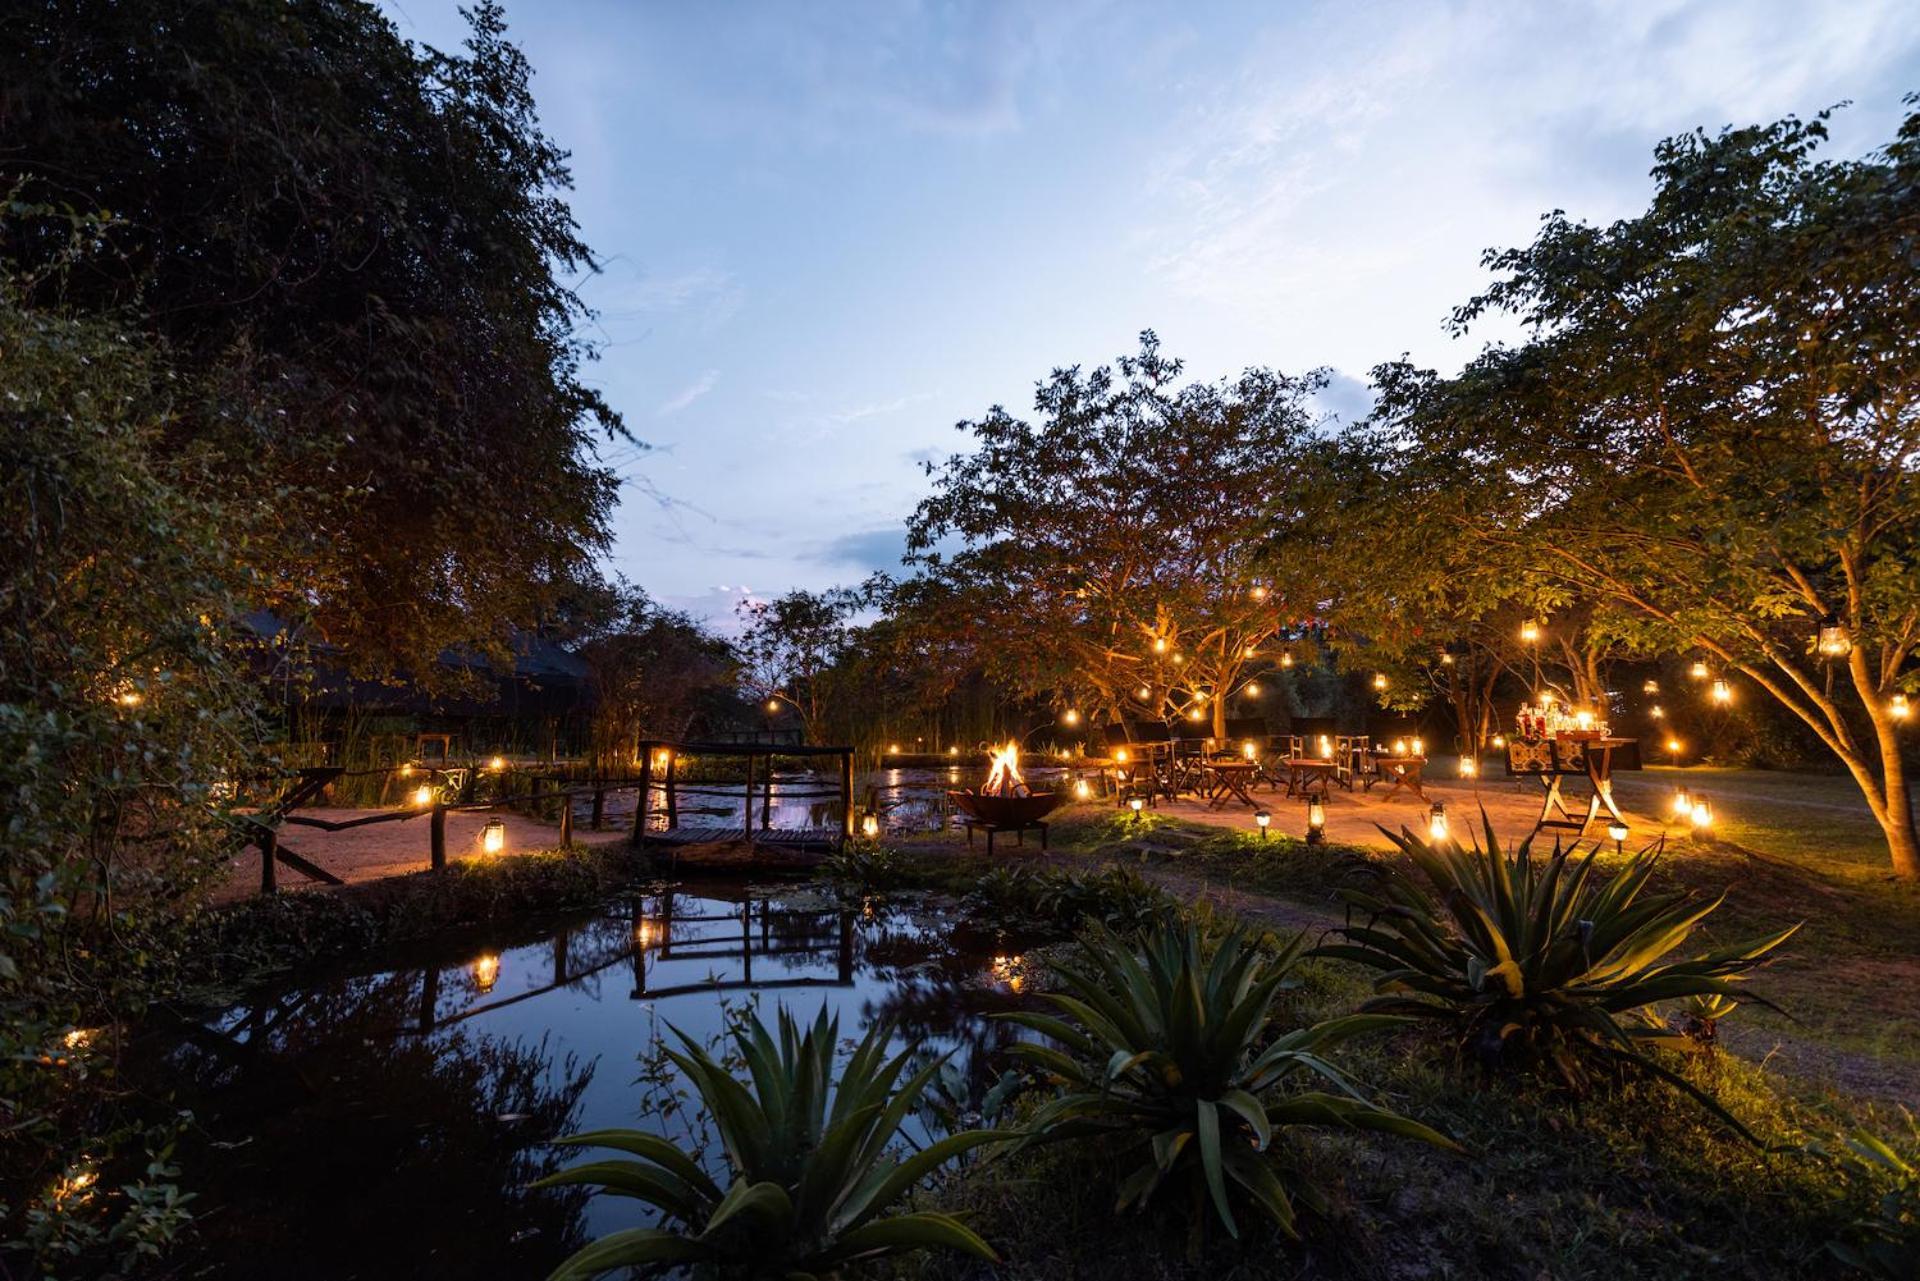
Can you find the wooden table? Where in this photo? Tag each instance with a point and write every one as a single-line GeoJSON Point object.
{"type": "Point", "coordinates": [1553, 761]}
{"type": "Point", "coordinates": [1400, 771]}
{"type": "Point", "coordinates": [1229, 781]}
{"type": "Point", "coordinates": [1306, 773]}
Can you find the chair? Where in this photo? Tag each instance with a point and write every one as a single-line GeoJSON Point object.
{"type": "Point", "coordinates": [1353, 758]}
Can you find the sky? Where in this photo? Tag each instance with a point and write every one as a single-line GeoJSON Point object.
{"type": "Point", "coordinates": [830, 232]}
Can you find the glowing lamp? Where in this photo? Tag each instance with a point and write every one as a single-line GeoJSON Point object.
{"type": "Point", "coordinates": [1286, 660]}
{"type": "Point", "coordinates": [1499, 740]}
{"type": "Point", "coordinates": [662, 759]}
{"type": "Point", "coordinates": [1673, 745]}
{"type": "Point", "coordinates": [1379, 680]}
{"type": "Point", "coordinates": [1702, 814]}
{"type": "Point", "coordinates": [953, 751]}
{"type": "Point", "coordinates": [497, 764]}
{"type": "Point", "coordinates": [1081, 790]}
{"type": "Point", "coordinates": [1316, 820]}
{"type": "Point", "coordinates": [1650, 687]}
{"type": "Point", "coordinates": [1698, 671]}
{"type": "Point", "coordinates": [493, 837]}
{"type": "Point", "coordinates": [423, 796]}
{"type": "Point", "coordinates": [1194, 715]}
{"type": "Point", "coordinates": [1469, 768]}
{"type": "Point", "coordinates": [1249, 750]}
{"type": "Point", "coordinates": [1419, 747]}
{"type": "Point", "coordinates": [1722, 692]}
{"type": "Point", "coordinates": [1399, 747]}
{"type": "Point", "coordinates": [1253, 689]}
{"type": "Point", "coordinates": [486, 971]}
{"type": "Point", "coordinates": [1159, 644]}
{"type": "Point", "coordinates": [1446, 658]}
{"type": "Point", "coordinates": [1617, 832]}
{"type": "Point", "coordinates": [1120, 754]}
{"type": "Point", "coordinates": [1899, 708]}
{"type": "Point", "coordinates": [1326, 747]}
{"type": "Point", "coordinates": [1437, 822]}
{"type": "Point", "coordinates": [894, 749]}
{"type": "Point", "coordinates": [129, 699]}
{"type": "Point", "coordinates": [1143, 693]}
{"type": "Point", "coordinates": [1248, 652]}
{"type": "Point", "coordinates": [1070, 716]}
{"type": "Point", "coordinates": [1179, 660]}
{"type": "Point", "coordinates": [1261, 818]}
{"type": "Point", "coordinates": [1682, 803]}
{"type": "Point", "coordinates": [1833, 641]}
{"type": "Point", "coordinates": [1583, 719]}
{"type": "Point", "coordinates": [1259, 593]}
{"type": "Point", "coordinates": [870, 826]}
{"type": "Point", "coordinates": [773, 705]}
{"type": "Point", "coordinates": [1529, 632]}
{"type": "Point", "coordinates": [1136, 804]}
{"type": "Point", "coordinates": [1657, 712]}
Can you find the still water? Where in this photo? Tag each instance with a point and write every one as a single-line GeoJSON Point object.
{"type": "Point", "coordinates": [385, 1124]}
{"type": "Point", "coordinates": [906, 799]}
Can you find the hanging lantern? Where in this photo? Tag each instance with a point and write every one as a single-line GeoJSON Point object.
{"type": "Point", "coordinates": [1248, 652]}
{"type": "Point", "coordinates": [1833, 641]}
{"type": "Point", "coordinates": [1446, 658]}
{"type": "Point", "coordinates": [1657, 712]}
{"type": "Point", "coordinates": [493, 837]}
{"type": "Point", "coordinates": [1159, 644]}
{"type": "Point", "coordinates": [870, 826]}
{"type": "Point", "coordinates": [893, 749]}
{"type": "Point", "coordinates": [1194, 715]}
{"type": "Point", "coordinates": [1437, 823]}
{"type": "Point", "coordinates": [1070, 716]}
{"type": "Point", "coordinates": [1260, 819]}
{"type": "Point", "coordinates": [1722, 692]}
{"type": "Point", "coordinates": [1699, 670]}
{"type": "Point", "coordinates": [1899, 708]}
{"type": "Point", "coordinates": [1379, 680]}
{"type": "Point", "coordinates": [1143, 693]}
{"type": "Point", "coordinates": [1259, 592]}
{"type": "Point", "coordinates": [1529, 632]}
{"type": "Point", "coordinates": [1650, 687]}
{"type": "Point", "coordinates": [773, 706]}
{"type": "Point", "coordinates": [1316, 820]}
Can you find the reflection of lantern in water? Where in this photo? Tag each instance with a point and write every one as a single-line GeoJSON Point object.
{"type": "Point", "coordinates": [648, 934]}
{"type": "Point", "coordinates": [1006, 971]}
{"type": "Point", "coordinates": [486, 971]}
{"type": "Point", "coordinates": [493, 837]}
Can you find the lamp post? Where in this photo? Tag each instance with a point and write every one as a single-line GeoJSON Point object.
{"type": "Point", "coordinates": [1260, 819]}
{"type": "Point", "coordinates": [1618, 833]}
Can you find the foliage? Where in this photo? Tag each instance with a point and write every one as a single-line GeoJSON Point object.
{"type": "Point", "coordinates": [1710, 429]}
{"type": "Point", "coordinates": [797, 650]}
{"type": "Point", "coordinates": [1115, 537]}
{"type": "Point", "coordinates": [1887, 1244]}
{"type": "Point", "coordinates": [351, 253]}
{"type": "Point", "coordinates": [652, 670]}
{"type": "Point", "coordinates": [1537, 962]}
{"type": "Point", "coordinates": [1168, 1050]}
{"type": "Point", "coordinates": [811, 1173]}
{"type": "Point", "coordinates": [1116, 897]}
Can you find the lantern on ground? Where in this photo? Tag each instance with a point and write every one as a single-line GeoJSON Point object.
{"type": "Point", "coordinates": [493, 837]}
{"type": "Point", "coordinates": [423, 796]}
{"type": "Point", "coordinates": [870, 826]}
{"type": "Point", "coordinates": [1702, 815]}
{"type": "Point", "coordinates": [1316, 820]}
{"type": "Point", "coordinates": [1260, 820]}
{"type": "Point", "coordinates": [1437, 823]}
{"type": "Point", "coordinates": [1469, 767]}
{"type": "Point", "coordinates": [1081, 789]}
{"type": "Point", "coordinates": [1833, 641]}
{"type": "Point", "coordinates": [1194, 714]}
{"type": "Point", "coordinates": [1617, 832]}
{"type": "Point", "coordinates": [1136, 805]}
{"type": "Point", "coordinates": [1682, 803]}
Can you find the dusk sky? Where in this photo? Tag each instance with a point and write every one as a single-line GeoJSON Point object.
{"type": "Point", "coordinates": [832, 230]}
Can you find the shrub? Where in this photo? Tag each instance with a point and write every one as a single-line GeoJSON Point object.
{"type": "Point", "coordinates": [1168, 1051]}
{"type": "Point", "coordinates": [1888, 1244]}
{"type": "Point", "coordinates": [1537, 961]}
{"type": "Point", "coordinates": [811, 1170]}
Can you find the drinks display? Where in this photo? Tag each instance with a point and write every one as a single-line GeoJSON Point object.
{"type": "Point", "coordinates": [1549, 718]}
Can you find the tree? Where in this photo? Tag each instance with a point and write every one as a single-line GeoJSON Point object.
{"type": "Point", "coordinates": [1106, 553]}
{"type": "Point", "coordinates": [652, 670]}
{"type": "Point", "coordinates": [1711, 431]}
{"type": "Point", "coordinates": [795, 649]}
{"type": "Point", "coordinates": [351, 250]}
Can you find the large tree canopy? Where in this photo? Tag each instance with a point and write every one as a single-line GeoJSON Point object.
{"type": "Point", "coordinates": [1713, 429]}
{"type": "Point", "coordinates": [1105, 555]}
{"type": "Point", "coordinates": [354, 248]}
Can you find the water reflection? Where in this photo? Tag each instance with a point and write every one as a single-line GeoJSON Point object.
{"type": "Point", "coordinates": [387, 1124]}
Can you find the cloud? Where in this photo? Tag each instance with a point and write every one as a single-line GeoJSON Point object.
{"type": "Point", "coordinates": [878, 408]}
{"type": "Point", "coordinates": [870, 549]}
{"type": "Point", "coordinates": [1346, 398]}
{"type": "Point", "coordinates": [688, 394]}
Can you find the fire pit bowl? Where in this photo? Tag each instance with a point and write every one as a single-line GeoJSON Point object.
{"type": "Point", "coordinates": [1007, 811]}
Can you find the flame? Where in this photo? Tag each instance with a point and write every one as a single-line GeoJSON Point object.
{"type": "Point", "coordinates": [1005, 778]}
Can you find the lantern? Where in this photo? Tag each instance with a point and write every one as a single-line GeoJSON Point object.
{"type": "Point", "coordinates": [1650, 687]}
{"type": "Point", "coordinates": [1499, 740]}
{"type": "Point", "coordinates": [1701, 814]}
{"type": "Point", "coordinates": [1260, 819]}
{"type": "Point", "coordinates": [486, 971]}
{"type": "Point", "coordinates": [1530, 632]}
{"type": "Point", "coordinates": [894, 749]}
{"type": "Point", "coordinates": [1136, 805]}
{"type": "Point", "coordinates": [1316, 820]}
{"type": "Point", "coordinates": [1179, 660]}
{"type": "Point", "coordinates": [1437, 823]}
{"type": "Point", "coordinates": [1259, 592]}
{"type": "Point", "coordinates": [1286, 659]}
{"type": "Point", "coordinates": [953, 751]}
{"type": "Point", "coordinates": [493, 837]}
{"type": "Point", "coordinates": [1326, 748]}
{"type": "Point", "coordinates": [1379, 680]}
{"type": "Point", "coordinates": [1682, 803]}
{"type": "Point", "coordinates": [1399, 747]}
{"type": "Point", "coordinates": [1253, 689]}
{"type": "Point", "coordinates": [497, 764]}
{"type": "Point", "coordinates": [1159, 644]}
{"type": "Point", "coordinates": [1081, 790]}
{"type": "Point", "coordinates": [1070, 716]}
{"type": "Point", "coordinates": [1899, 708]}
{"type": "Point", "coordinates": [773, 705]}
{"type": "Point", "coordinates": [870, 826]}
{"type": "Point", "coordinates": [423, 796]}
{"type": "Point", "coordinates": [1657, 712]}
{"type": "Point", "coordinates": [1143, 693]}
{"type": "Point", "coordinates": [1699, 670]}
{"type": "Point", "coordinates": [1248, 652]}
{"type": "Point", "coordinates": [1617, 832]}
{"type": "Point", "coordinates": [1833, 641]}
{"type": "Point", "coordinates": [1673, 747]}
{"type": "Point", "coordinates": [130, 698]}
{"type": "Point", "coordinates": [1194, 715]}
{"type": "Point", "coordinates": [1249, 750]}
{"type": "Point", "coordinates": [662, 758]}
{"type": "Point", "coordinates": [1446, 658]}
{"type": "Point", "coordinates": [1722, 692]}
{"type": "Point", "coordinates": [1120, 754]}
{"type": "Point", "coordinates": [1419, 746]}
{"type": "Point", "coordinates": [1469, 768]}
{"type": "Point", "coordinates": [1583, 720]}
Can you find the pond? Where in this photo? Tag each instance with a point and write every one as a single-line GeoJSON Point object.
{"type": "Point", "coordinates": [908, 798]}
{"type": "Point", "coordinates": [385, 1124]}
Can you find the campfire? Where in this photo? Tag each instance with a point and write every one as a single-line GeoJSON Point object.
{"type": "Point", "coordinates": [1006, 801]}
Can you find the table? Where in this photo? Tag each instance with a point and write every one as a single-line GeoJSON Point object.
{"type": "Point", "coordinates": [1401, 771]}
{"type": "Point", "coordinates": [1305, 773]}
{"type": "Point", "coordinates": [1229, 781]}
{"type": "Point", "coordinates": [1553, 761]}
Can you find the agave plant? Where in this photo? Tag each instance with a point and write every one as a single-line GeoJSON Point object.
{"type": "Point", "coordinates": [1887, 1245]}
{"type": "Point", "coordinates": [1172, 1059]}
{"type": "Point", "coordinates": [1537, 961]}
{"type": "Point", "coordinates": [811, 1169]}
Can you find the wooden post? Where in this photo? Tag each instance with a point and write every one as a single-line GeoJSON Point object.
{"type": "Point", "coordinates": [846, 795]}
{"type": "Point", "coordinates": [437, 850]}
{"type": "Point", "coordinates": [766, 800]}
{"type": "Point", "coordinates": [673, 803]}
{"type": "Point", "coordinates": [269, 850]}
{"type": "Point", "coordinates": [746, 940]}
{"type": "Point", "coordinates": [646, 792]}
{"type": "Point", "coordinates": [746, 803]}
{"type": "Point", "coordinates": [535, 797]}
{"type": "Point", "coordinates": [599, 807]}
{"type": "Point", "coordinates": [566, 819]}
